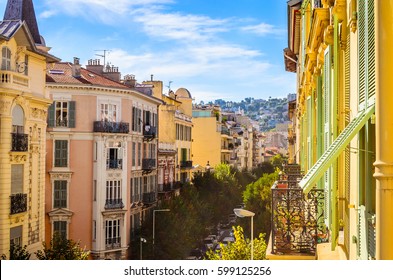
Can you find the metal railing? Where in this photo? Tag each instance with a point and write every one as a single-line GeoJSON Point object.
{"type": "Point", "coordinates": [114, 164]}
{"type": "Point", "coordinates": [18, 203]}
{"type": "Point", "coordinates": [111, 127]}
{"type": "Point", "coordinates": [113, 242]}
{"type": "Point", "coordinates": [149, 131]}
{"type": "Point", "coordinates": [297, 220]}
{"type": "Point", "coordinates": [116, 203]}
{"type": "Point", "coordinates": [148, 164]}
{"type": "Point", "coordinates": [20, 142]}
{"type": "Point", "coordinates": [186, 164]}
{"type": "Point", "coordinates": [149, 198]}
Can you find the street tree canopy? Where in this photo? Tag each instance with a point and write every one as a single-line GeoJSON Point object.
{"type": "Point", "coordinates": [240, 249]}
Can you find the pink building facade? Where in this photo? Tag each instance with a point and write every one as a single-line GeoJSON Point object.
{"type": "Point", "coordinates": [101, 158]}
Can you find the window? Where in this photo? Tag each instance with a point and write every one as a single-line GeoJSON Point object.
{"type": "Point", "coordinates": [61, 153]}
{"type": "Point", "coordinates": [112, 232]}
{"type": "Point", "coordinates": [62, 114]}
{"type": "Point", "coordinates": [60, 194]}
{"type": "Point", "coordinates": [113, 191]}
{"type": "Point", "coordinates": [94, 230]}
{"type": "Point", "coordinates": [60, 228]}
{"type": "Point", "coordinates": [108, 112]}
{"type": "Point", "coordinates": [136, 119]}
{"type": "Point", "coordinates": [16, 178]}
{"type": "Point", "coordinates": [114, 158]}
{"type": "Point", "coordinates": [135, 190]}
{"type": "Point", "coordinates": [139, 154]}
{"type": "Point", "coordinates": [6, 59]}
{"type": "Point", "coordinates": [133, 161]}
{"type": "Point", "coordinates": [16, 235]}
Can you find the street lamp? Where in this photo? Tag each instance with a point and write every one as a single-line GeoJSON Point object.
{"type": "Point", "coordinates": [154, 220]}
{"type": "Point", "coordinates": [142, 240]}
{"type": "Point", "coordinates": [245, 213]}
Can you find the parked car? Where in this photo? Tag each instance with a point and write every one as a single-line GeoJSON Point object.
{"type": "Point", "coordinates": [209, 242]}
{"type": "Point", "coordinates": [228, 239]}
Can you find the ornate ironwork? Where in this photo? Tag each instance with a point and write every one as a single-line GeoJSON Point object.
{"type": "Point", "coordinates": [20, 142]}
{"type": "Point", "coordinates": [114, 164]}
{"type": "Point", "coordinates": [114, 203]}
{"type": "Point", "coordinates": [149, 198]}
{"type": "Point", "coordinates": [112, 243]}
{"type": "Point", "coordinates": [148, 164]}
{"type": "Point", "coordinates": [149, 132]}
{"type": "Point", "coordinates": [186, 164]}
{"type": "Point", "coordinates": [111, 127]}
{"type": "Point", "coordinates": [297, 220]}
{"type": "Point", "coordinates": [18, 203]}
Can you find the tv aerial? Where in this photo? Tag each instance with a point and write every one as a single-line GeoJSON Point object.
{"type": "Point", "coordinates": [103, 55]}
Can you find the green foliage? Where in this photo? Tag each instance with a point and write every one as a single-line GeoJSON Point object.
{"type": "Point", "coordinates": [241, 248]}
{"type": "Point", "coordinates": [278, 160]}
{"type": "Point", "coordinates": [62, 249]}
{"type": "Point", "coordinates": [224, 173]}
{"type": "Point", "coordinates": [17, 252]}
{"type": "Point", "coordinates": [257, 198]}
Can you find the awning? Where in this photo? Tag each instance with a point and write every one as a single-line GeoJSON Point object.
{"type": "Point", "coordinates": [334, 150]}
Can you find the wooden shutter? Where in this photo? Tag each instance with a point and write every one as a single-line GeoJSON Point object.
{"type": "Point", "coordinates": [71, 114]}
{"type": "Point", "coordinates": [51, 115]}
{"type": "Point", "coordinates": [370, 52]}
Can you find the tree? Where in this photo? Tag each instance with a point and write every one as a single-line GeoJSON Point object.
{"type": "Point", "coordinates": [61, 248]}
{"type": "Point", "coordinates": [17, 252]}
{"type": "Point", "coordinates": [241, 248]}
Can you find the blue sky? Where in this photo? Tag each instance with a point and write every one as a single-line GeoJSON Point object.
{"type": "Point", "coordinates": [228, 49]}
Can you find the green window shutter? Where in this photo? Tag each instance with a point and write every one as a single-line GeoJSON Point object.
{"type": "Point", "coordinates": [61, 153]}
{"type": "Point", "coordinates": [184, 154]}
{"type": "Point", "coordinates": [309, 133]}
{"type": "Point", "coordinates": [51, 115]}
{"type": "Point", "coordinates": [71, 114]}
{"type": "Point", "coordinates": [362, 52]}
{"type": "Point", "coordinates": [370, 53]}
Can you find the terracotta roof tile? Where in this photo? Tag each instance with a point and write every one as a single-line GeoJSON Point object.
{"type": "Point", "coordinates": [61, 73]}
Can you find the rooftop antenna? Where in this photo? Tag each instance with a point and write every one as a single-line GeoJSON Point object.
{"type": "Point", "coordinates": [169, 86]}
{"type": "Point", "coordinates": [103, 55]}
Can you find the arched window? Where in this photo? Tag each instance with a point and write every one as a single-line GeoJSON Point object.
{"type": "Point", "coordinates": [18, 117]}
{"type": "Point", "coordinates": [5, 59]}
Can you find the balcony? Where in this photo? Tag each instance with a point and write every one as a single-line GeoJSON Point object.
{"type": "Point", "coordinates": [114, 164]}
{"type": "Point", "coordinates": [148, 164]}
{"type": "Point", "coordinates": [18, 203]}
{"type": "Point", "coordinates": [11, 79]}
{"type": "Point", "coordinates": [20, 142]}
{"type": "Point", "coordinates": [186, 164]}
{"type": "Point", "coordinates": [114, 203]}
{"type": "Point", "coordinates": [112, 243]}
{"type": "Point", "coordinates": [297, 220]}
{"type": "Point", "coordinates": [111, 127]}
{"type": "Point", "coordinates": [149, 198]}
{"type": "Point", "coordinates": [149, 132]}
{"type": "Point", "coordinates": [225, 131]}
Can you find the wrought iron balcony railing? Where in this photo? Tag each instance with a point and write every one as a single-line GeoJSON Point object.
{"type": "Point", "coordinates": [149, 198]}
{"type": "Point", "coordinates": [20, 142]}
{"type": "Point", "coordinates": [148, 164]}
{"type": "Point", "coordinates": [116, 203]}
{"type": "Point", "coordinates": [186, 164]}
{"type": "Point", "coordinates": [225, 131]}
{"type": "Point", "coordinates": [297, 220]}
{"type": "Point", "coordinates": [113, 242]}
{"type": "Point", "coordinates": [111, 127]}
{"type": "Point", "coordinates": [18, 203]}
{"type": "Point", "coordinates": [114, 164]}
{"type": "Point", "coordinates": [149, 132]}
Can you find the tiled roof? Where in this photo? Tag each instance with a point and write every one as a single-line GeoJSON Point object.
{"type": "Point", "coordinates": [61, 73]}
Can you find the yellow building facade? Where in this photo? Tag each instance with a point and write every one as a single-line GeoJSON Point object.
{"type": "Point", "coordinates": [23, 112]}
{"type": "Point", "coordinates": [340, 51]}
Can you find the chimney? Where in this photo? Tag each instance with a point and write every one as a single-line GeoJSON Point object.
{"type": "Point", "coordinates": [111, 72]}
{"type": "Point", "coordinates": [129, 80]}
{"type": "Point", "coordinates": [76, 68]}
{"type": "Point", "coordinates": [94, 65]}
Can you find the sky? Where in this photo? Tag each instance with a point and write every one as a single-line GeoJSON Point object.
{"type": "Point", "coordinates": [217, 49]}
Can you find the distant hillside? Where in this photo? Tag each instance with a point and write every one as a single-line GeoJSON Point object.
{"type": "Point", "coordinates": [267, 112]}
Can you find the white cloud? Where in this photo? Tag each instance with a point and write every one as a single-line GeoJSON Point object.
{"type": "Point", "coordinates": [263, 29]}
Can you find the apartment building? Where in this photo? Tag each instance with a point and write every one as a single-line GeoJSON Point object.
{"type": "Point", "coordinates": [341, 53]}
{"type": "Point", "coordinates": [23, 109]}
{"type": "Point", "coordinates": [101, 157]}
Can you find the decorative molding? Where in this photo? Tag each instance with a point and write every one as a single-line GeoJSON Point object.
{"type": "Point", "coordinates": [37, 113]}
{"type": "Point", "coordinates": [5, 106]}
{"type": "Point", "coordinates": [17, 219]}
{"type": "Point", "coordinates": [328, 35]}
{"type": "Point", "coordinates": [18, 157]}
{"type": "Point", "coordinates": [58, 175]}
{"type": "Point", "coordinates": [339, 10]}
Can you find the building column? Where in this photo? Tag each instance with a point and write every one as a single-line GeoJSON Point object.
{"type": "Point", "coordinates": [384, 130]}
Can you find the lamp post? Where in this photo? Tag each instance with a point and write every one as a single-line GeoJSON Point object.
{"type": "Point", "coordinates": [245, 213]}
{"type": "Point", "coordinates": [142, 240]}
{"type": "Point", "coordinates": [154, 220]}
